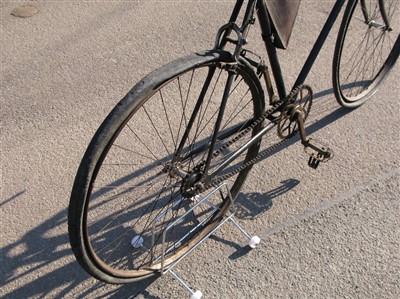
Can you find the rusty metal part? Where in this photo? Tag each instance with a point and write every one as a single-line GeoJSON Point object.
{"type": "Point", "coordinates": [295, 108]}
{"type": "Point", "coordinates": [273, 98]}
{"type": "Point", "coordinates": [299, 102]}
{"type": "Point", "coordinates": [298, 112]}
{"type": "Point", "coordinates": [320, 153]}
{"type": "Point", "coordinates": [213, 183]}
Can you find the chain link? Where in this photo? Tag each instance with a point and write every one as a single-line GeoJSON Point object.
{"type": "Point", "coordinates": [277, 106]}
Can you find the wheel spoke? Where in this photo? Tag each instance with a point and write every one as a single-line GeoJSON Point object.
{"type": "Point", "coordinates": [362, 51]}
{"type": "Point", "coordinates": [145, 171]}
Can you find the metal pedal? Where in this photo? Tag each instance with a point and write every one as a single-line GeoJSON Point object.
{"type": "Point", "coordinates": [317, 153]}
{"type": "Point", "coordinates": [313, 162]}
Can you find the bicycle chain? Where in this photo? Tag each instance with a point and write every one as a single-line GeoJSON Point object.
{"type": "Point", "coordinates": [279, 104]}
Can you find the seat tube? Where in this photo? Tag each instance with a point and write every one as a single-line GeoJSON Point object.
{"type": "Point", "coordinates": [267, 36]}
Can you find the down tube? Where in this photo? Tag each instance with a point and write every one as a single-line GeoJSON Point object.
{"type": "Point", "coordinates": [319, 42]}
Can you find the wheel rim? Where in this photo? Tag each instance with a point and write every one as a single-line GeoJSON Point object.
{"type": "Point", "coordinates": [114, 214]}
{"type": "Point", "coordinates": [365, 50]}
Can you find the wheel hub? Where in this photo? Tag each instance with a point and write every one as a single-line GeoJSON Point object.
{"type": "Point", "coordinates": [189, 188]}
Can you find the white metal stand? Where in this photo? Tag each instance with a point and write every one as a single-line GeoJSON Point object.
{"type": "Point", "coordinates": [253, 240]}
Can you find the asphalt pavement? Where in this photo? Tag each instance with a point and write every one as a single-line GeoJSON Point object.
{"type": "Point", "coordinates": [326, 233]}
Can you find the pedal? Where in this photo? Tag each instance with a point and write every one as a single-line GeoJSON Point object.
{"type": "Point", "coordinates": [313, 162]}
{"type": "Point", "coordinates": [317, 153]}
{"type": "Point", "coordinates": [289, 125]}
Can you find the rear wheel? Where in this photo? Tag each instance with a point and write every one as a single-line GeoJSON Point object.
{"type": "Point", "coordinates": [367, 47]}
{"type": "Point", "coordinates": [135, 177]}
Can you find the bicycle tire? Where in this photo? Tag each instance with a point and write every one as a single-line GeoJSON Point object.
{"type": "Point", "coordinates": [106, 180]}
{"type": "Point", "coordinates": [366, 50]}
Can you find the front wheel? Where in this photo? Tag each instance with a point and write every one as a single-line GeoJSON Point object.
{"type": "Point", "coordinates": [367, 47]}
{"type": "Point", "coordinates": [133, 184]}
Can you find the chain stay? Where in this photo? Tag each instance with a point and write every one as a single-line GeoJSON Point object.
{"type": "Point", "coordinates": [280, 105]}
{"type": "Point", "coordinates": [277, 106]}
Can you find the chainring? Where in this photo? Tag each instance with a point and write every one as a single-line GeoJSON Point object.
{"type": "Point", "coordinates": [300, 98]}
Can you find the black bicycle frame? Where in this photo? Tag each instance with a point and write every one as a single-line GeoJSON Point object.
{"type": "Point", "coordinates": [268, 37]}
{"type": "Point", "coordinates": [267, 33]}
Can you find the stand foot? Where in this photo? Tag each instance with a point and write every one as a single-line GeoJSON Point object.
{"type": "Point", "coordinates": [137, 241]}
{"type": "Point", "coordinates": [254, 241]}
{"type": "Point", "coordinates": [196, 295]}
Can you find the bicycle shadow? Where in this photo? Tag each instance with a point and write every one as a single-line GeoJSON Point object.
{"type": "Point", "coordinates": [29, 257]}
{"type": "Point", "coordinates": [251, 205]}
{"type": "Point", "coordinates": [40, 249]}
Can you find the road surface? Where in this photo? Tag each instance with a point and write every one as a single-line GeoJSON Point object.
{"type": "Point", "coordinates": [326, 233]}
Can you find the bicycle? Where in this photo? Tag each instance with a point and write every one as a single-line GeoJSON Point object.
{"type": "Point", "coordinates": [144, 168]}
